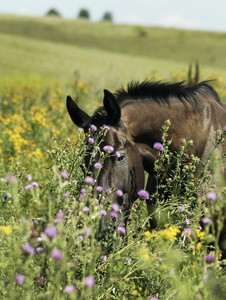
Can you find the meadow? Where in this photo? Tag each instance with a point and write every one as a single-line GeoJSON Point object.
{"type": "Point", "coordinates": [50, 243]}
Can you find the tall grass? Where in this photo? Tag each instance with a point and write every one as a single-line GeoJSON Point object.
{"type": "Point", "coordinates": [50, 243]}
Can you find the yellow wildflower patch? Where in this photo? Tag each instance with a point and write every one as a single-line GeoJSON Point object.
{"type": "Point", "coordinates": [6, 229]}
{"type": "Point", "coordinates": [168, 234]}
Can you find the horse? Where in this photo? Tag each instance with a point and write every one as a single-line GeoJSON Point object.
{"type": "Point", "coordinates": [139, 112]}
{"type": "Point", "coordinates": [122, 171]}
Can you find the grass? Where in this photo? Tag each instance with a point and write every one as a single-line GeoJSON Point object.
{"type": "Point", "coordinates": [51, 49]}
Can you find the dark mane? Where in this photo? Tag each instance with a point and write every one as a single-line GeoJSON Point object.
{"type": "Point", "coordinates": [161, 92]}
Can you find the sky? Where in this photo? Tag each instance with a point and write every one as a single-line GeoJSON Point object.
{"type": "Point", "coordinates": [208, 15]}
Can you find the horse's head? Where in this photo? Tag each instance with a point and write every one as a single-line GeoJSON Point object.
{"type": "Point", "coordinates": [123, 170]}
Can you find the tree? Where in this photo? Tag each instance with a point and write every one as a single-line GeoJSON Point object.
{"type": "Point", "coordinates": [53, 12]}
{"type": "Point", "coordinates": [107, 17]}
{"type": "Point", "coordinates": [84, 14]}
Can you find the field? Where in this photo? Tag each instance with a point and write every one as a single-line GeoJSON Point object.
{"type": "Point", "coordinates": [49, 235]}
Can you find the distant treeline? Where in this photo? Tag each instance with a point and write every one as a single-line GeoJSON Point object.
{"type": "Point", "coordinates": [83, 13]}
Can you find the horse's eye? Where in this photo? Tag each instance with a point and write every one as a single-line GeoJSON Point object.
{"type": "Point", "coordinates": [121, 158]}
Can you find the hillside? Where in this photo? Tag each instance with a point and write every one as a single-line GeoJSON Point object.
{"type": "Point", "coordinates": [51, 49]}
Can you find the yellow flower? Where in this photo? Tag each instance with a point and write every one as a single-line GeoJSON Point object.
{"type": "Point", "coordinates": [6, 229]}
{"type": "Point", "coordinates": [198, 246]}
{"type": "Point", "coordinates": [134, 293]}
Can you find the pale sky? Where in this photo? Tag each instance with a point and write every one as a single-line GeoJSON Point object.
{"type": "Point", "coordinates": [192, 14]}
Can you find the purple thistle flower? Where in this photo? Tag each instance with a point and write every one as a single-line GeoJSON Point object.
{"type": "Point", "coordinates": [187, 232]}
{"type": "Point", "coordinates": [105, 258]}
{"type": "Point", "coordinates": [28, 249]}
{"type": "Point", "coordinates": [39, 249]}
{"type": "Point", "coordinates": [187, 221]}
{"type": "Point", "coordinates": [66, 195]}
{"type": "Point", "coordinates": [143, 194]}
{"type": "Point", "coordinates": [153, 298]}
{"type": "Point", "coordinates": [5, 197]}
{"type": "Point", "coordinates": [207, 221]}
{"type": "Point", "coordinates": [60, 217]}
{"type": "Point", "coordinates": [83, 191]}
{"type": "Point", "coordinates": [86, 209]}
{"type": "Point", "coordinates": [108, 148]}
{"type": "Point", "coordinates": [103, 212]}
{"type": "Point", "coordinates": [109, 191]}
{"type": "Point", "coordinates": [115, 207]}
{"type": "Point", "coordinates": [119, 193]}
{"type": "Point", "coordinates": [69, 289]}
{"type": "Point", "coordinates": [20, 279]}
{"type": "Point", "coordinates": [118, 154]}
{"type": "Point", "coordinates": [89, 281]}
{"type": "Point", "coordinates": [81, 237]}
{"type": "Point", "coordinates": [29, 178]}
{"type": "Point", "coordinates": [35, 184]}
{"type": "Point", "coordinates": [158, 146]}
{"type": "Point", "coordinates": [91, 140]}
{"type": "Point", "coordinates": [51, 232]}
{"type": "Point", "coordinates": [80, 129]}
{"type": "Point", "coordinates": [93, 127]}
{"type": "Point", "coordinates": [209, 258]}
{"type": "Point", "coordinates": [28, 187]}
{"type": "Point", "coordinates": [114, 215]}
{"type": "Point", "coordinates": [121, 230]}
{"type": "Point", "coordinates": [64, 175]}
{"type": "Point", "coordinates": [87, 231]}
{"type": "Point", "coordinates": [56, 254]}
{"type": "Point", "coordinates": [128, 260]}
{"type": "Point", "coordinates": [97, 165]}
{"type": "Point", "coordinates": [224, 128]}
{"type": "Point", "coordinates": [74, 181]}
{"type": "Point", "coordinates": [99, 188]}
{"type": "Point", "coordinates": [89, 180]}
{"type": "Point", "coordinates": [182, 208]}
{"type": "Point", "coordinates": [10, 178]}
{"type": "Point", "coordinates": [106, 127]}
{"type": "Point", "coordinates": [212, 196]}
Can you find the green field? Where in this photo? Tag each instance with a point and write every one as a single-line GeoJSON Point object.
{"type": "Point", "coordinates": [50, 50]}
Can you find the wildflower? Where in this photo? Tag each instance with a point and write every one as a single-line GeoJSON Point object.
{"type": "Point", "coordinates": [99, 188]}
{"type": "Point", "coordinates": [56, 254]}
{"type": "Point", "coordinates": [158, 146]}
{"type": "Point", "coordinates": [51, 232]}
{"type": "Point", "coordinates": [91, 140]}
{"type": "Point", "coordinates": [69, 289]}
{"type": "Point", "coordinates": [97, 165]}
{"type": "Point", "coordinates": [103, 212]}
{"type": "Point", "coordinates": [206, 277]}
{"type": "Point", "coordinates": [224, 128]}
{"type": "Point", "coordinates": [89, 281]}
{"type": "Point", "coordinates": [119, 193]}
{"type": "Point", "coordinates": [207, 221]}
{"type": "Point", "coordinates": [118, 154]}
{"type": "Point", "coordinates": [86, 209]}
{"type": "Point", "coordinates": [109, 191]}
{"type": "Point", "coordinates": [81, 237]}
{"type": "Point", "coordinates": [10, 178]}
{"type": "Point", "coordinates": [105, 258]}
{"type": "Point", "coordinates": [83, 191]}
{"type": "Point", "coordinates": [66, 195]}
{"type": "Point", "coordinates": [89, 180]}
{"type": "Point", "coordinates": [35, 184]}
{"type": "Point", "coordinates": [28, 249]}
{"type": "Point", "coordinates": [60, 217]}
{"type": "Point", "coordinates": [28, 187]}
{"type": "Point", "coordinates": [182, 208]}
{"type": "Point", "coordinates": [87, 231]}
{"type": "Point", "coordinates": [115, 207]}
{"type": "Point", "coordinates": [64, 175]}
{"type": "Point", "coordinates": [5, 197]}
{"type": "Point", "coordinates": [106, 127]}
{"type": "Point", "coordinates": [121, 230]}
{"type": "Point", "coordinates": [6, 229]}
{"type": "Point", "coordinates": [211, 196]}
{"type": "Point", "coordinates": [113, 215]}
{"type": "Point", "coordinates": [80, 129]}
{"type": "Point", "coordinates": [187, 221]}
{"type": "Point", "coordinates": [93, 127]}
{"type": "Point", "coordinates": [128, 260]}
{"type": "Point", "coordinates": [39, 249]}
{"type": "Point", "coordinates": [74, 181]}
{"type": "Point", "coordinates": [187, 232]}
{"type": "Point", "coordinates": [20, 279]}
{"type": "Point", "coordinates": [209, 258]}
{"type": "Point", "coordinates": [153, 298]}
{"type": "Point", "coordinates": [108, 148]}
{"type": "Point", "coordinates": [143, 194]}
{"type": "Point", "coordinates": [29, 178]}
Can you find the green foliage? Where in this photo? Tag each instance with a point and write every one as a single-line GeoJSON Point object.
{"type": "Point", "coordinates": [53, 12]}
{"type": "Point", "coordinates": [84, 13]}
{"type": "Point", "coordinates": [107, 17]}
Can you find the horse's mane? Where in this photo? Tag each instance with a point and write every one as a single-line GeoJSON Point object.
{"type": "Point", "coordinates": [161, 92]}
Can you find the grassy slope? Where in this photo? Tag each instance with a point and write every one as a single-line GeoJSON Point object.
{"type": "Point", "coordinates": [52, 48]}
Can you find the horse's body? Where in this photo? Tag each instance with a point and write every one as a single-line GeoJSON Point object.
{"type": "Point", "coordinates": [195, 113]}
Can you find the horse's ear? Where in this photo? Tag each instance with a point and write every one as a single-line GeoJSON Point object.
{"type": "Point", "coordinates": [112, 107]}
{"type": "Point", "coordinates": [78, 116]}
